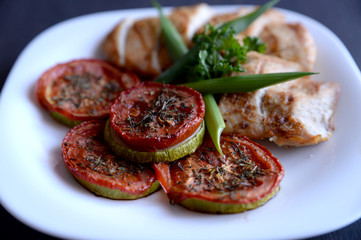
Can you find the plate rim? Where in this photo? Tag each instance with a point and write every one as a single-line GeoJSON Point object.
{"type": "Point", "coordinates": [91, 15]}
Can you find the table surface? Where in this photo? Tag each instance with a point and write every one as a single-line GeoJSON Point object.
{"type": "Point", "coordinates": [22, 20]}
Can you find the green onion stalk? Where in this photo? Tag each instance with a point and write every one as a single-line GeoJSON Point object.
{"type": "Point", "coordinates": [243, 83]}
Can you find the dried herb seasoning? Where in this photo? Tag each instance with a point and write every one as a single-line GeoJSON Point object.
{"type": "Point", "coordinates": [89, 159]}
{"type": "Point", "coordinates": [245, 174]}
{"type": "Point", "coordinates": [156, 116]}
{"type": "Point", "coordinates": [81, 90]}
{"type": "Point", "coordinates": [164, 111]}
{"type": "Point", "coordinates": [86, 91]}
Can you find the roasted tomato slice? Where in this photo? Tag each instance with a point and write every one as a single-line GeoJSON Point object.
{"type": "Point", "coordinates": [247, 176]}
{"type": "Point", "coordinates": [81, 90]}
{"type": "Point", "coordinates": [155, 116]}
{"type": "Point", "coordinates": [92, 163]}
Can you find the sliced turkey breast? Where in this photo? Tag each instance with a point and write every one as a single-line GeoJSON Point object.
{"type": "Point", "coordinates": [295, 113]}
{"type": "Point", "coordinates": [292, 42]}
{"type": "Point", "coordinates": [138, 46]}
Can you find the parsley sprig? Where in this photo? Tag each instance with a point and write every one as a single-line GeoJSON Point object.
{"type": "Point", "coordinates": [220, 52]}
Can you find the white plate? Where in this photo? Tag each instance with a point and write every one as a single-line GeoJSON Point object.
{"type": "Point", "coordinates": [320, 192]}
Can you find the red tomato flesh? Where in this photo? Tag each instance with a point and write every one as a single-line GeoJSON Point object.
{"type": "Point", "coordinates": [82, 89]}
{"type": "Point", "coordinates": [88, 157]}
{"type": "Point", "coordinates": [246, 173]}
{"type": "Point", "coordinates": [155, 116]}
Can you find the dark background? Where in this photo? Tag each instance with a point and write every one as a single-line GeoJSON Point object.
{"type": "Point", "coordinates": [22, 20]}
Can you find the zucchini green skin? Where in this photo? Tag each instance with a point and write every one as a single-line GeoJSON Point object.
{"type": "Point", "coordinates": [115, 193]}
{"type": "Point", "coordinates": [200, 205]}
{"type": "Point", "coordinates": [64, 120]}
{"type": "Point", "coordinates": [185, 148]}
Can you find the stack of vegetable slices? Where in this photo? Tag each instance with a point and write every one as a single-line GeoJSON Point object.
{"type": "Point", "coordinates": [156, 123]}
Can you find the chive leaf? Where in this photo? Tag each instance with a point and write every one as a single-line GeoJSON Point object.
{"type": "Point", "coordinates": [241, 23]}
{"type": "Point", "coordinates": [243, 83]}
{"type": "Point", "coordinates": [175, 44]}
{"type": "Point", "coordinates": [214, 120]}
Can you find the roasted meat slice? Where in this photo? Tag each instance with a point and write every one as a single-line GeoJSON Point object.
{"type": "Point", "coordinates": [295, 113]}
{"type": "Point", "coordinates": [137, 45]}
{"type": "Point", "coordinates": [258, 63]}
{"type": "Point", "coordinates": [189, 19]}
{"type": "Point", "coordinates": [270, 17]}
{"type": "Point", "coordinates": [292, 42]}
{"type": "Point", "coordinates": [300, 115]}
{"type": "Point", "coordinates": [242, 112]}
